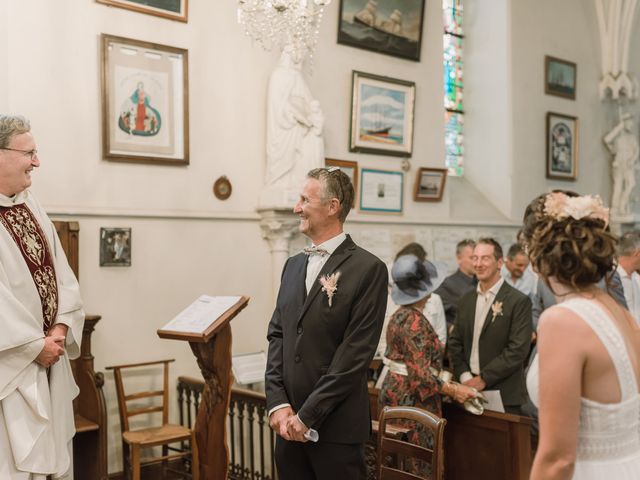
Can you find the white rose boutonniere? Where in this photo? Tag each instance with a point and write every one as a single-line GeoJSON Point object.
{"type": "Point", "coordinates": [496, 309]}
{"type": "Point", "coordinates": [330, 285]}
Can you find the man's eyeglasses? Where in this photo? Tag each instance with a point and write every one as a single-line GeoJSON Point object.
{"type": "Point", "coordinates": [30, 153]}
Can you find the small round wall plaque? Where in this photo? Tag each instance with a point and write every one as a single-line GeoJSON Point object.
{"type": "Point", "coordinates": [222, 188]}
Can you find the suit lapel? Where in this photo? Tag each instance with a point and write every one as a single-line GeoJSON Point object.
{"type": "Point", "coordinates": [502, 294]}
{"type": "Point", "coordinates": [342, 253]}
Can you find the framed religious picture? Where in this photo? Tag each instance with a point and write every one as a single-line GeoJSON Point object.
{"type": "Point", "coordinates": [381, 191]}
{"type": "Point", "coordinates": [430, 184]}
{"type": "Point", "coordinates": [172, 9]}
{"type": "Point", "coordinates": [382, 115]}
{"type": "Point", "coordinates": [115, 247]}
{"type": "Point", "coordinates": [384, 26]}
{"type": "Point", "coordinates": [562, 146]}
{"type": "Point", "coordinates": [145, 110]}
{"type": "Point", "coordinates": [560, 77]}
{"type": "Point", "coordinates": [348, 167]}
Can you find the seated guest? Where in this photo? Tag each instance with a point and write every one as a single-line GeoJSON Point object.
{"type": "Point", "coordinates": [459, 283]}
{"type": "Point", "coordinates": [516, 273]}
{"type": "Point", "coordinates": [492, 333]}
{"type": "Point", "coordinates": [628, 263]}
{"type": "Point", "coordinates": [413, 347]}
{"type": "Point", "coordinates": [434, 309]}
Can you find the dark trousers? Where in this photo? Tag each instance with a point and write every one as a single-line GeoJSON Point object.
{"type": "Point", "coordinates": [319, 461]}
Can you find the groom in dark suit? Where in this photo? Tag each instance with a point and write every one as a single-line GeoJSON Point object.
{"type": "Point", "coordinates": [492, 332]}
{"type": "Point", "coordinates": [322, 337]}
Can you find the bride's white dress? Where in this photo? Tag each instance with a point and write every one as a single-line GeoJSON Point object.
{"type": "Point", "coordinates": [608, 434]}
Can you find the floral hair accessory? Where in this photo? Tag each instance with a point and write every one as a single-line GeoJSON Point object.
{"type": "Point", "coordinates": [330, 285]}
{"type": "Point", "coordinates": [560, 206]}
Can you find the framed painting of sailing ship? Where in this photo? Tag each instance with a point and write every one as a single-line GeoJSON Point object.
{"type": "Point", "coordinates": [381, 191]}
{"type": "Point", "coordinates": [145, 112]}
{"type": "Point", "coordinates": [382, 115]}
{"type": "Point", "coordinates": [172, 9]}
{"type": "Point", "coordinates": [392, 27]}
{"type": "Point", "coordinates": [562, 146]}
{"type": "Point", "coordinates": [560, 77]}
{"type": "Point", "coordinates": [348, 167]}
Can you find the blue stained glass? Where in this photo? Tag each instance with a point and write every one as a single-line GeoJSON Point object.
{"type": "Point", "coordinates": [453, 86]}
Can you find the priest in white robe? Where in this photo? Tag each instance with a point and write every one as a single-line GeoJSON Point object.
{"type": "Point", "coordinates": [41, 320]}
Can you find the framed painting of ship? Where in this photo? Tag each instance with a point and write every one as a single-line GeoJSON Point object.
{"type": "Point", "coordinates": [392, 27]}
{"type": "Point", "coordinates": [172, 9]}
{"type": "Point", "coordinates": [145, 111]}
{"type": "Point", "coordinates": [382, 115]}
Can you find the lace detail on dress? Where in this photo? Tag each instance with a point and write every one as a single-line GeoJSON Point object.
{"type": "Point", "coordinates": [608, 432]}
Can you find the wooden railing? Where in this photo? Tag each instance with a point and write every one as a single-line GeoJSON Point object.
{"type": "Point", "coordinates": [251, 441]}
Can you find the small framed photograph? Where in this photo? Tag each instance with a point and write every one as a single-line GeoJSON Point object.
{"type": "Point", "coordinates": [348, 167]}
{"type": "Point", "coordinates": [115, 247]}
{"type": "Point", "coordinates": [430, 184]}
{"type": "Point", "coordinates": [383, 26]}
{"type": "Point", "coordinates": [382, 115]}
{"type": "Point", "coordinates": [145, 109]}
{"type": "Point", "coordinates": [560, 77]}
{"type": "Point", "coordinates": [381, 191]}
{"type": "Point", "coordinates": [172, 9]}
{"type": "Point", "coordinates": [562, 146]}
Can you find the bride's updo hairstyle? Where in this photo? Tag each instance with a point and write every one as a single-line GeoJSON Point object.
{"type": "Point", "coordinates": [567, 237]}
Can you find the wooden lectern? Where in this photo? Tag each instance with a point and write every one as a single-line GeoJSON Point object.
{"type": "Point", "coordinates": [492, 445]}
{"type": "Point", "coordinates": [212, 349]}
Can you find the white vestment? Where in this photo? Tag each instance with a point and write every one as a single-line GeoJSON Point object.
{"type": "Point", "coordinates": [36, 411]}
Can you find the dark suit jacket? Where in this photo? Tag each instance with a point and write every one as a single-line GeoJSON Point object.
{"type": "Point", "coordinates": [503, 346]}
{"type": "Point", "coordinates": [451, 290]}
{"type": "Point", "coordinates": [319, 355]}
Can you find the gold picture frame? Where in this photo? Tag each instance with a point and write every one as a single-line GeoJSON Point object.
{"type": "Point", "coordinates": [171, 9]}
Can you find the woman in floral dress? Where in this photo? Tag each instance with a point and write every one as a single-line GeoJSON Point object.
{"type": "Point", "coordinates": [413, 349]}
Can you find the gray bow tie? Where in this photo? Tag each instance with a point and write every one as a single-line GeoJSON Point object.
{"type": "Point", "coordinates": [315, 251]}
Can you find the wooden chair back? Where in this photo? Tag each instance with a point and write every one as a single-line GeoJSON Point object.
{"type": "Point", "coordinates": [127, 412]}
{"type": "Point", "coordinates": [399, 449]}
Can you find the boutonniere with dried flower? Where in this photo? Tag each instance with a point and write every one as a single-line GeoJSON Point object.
{"type": "Point", "coordinates": [330, 285]}
{"type": "Point", "coordinates": [496, 308]}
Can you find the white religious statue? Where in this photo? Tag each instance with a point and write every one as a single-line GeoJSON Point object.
{"type": "Point", "coordinates": [623, 144]}
{"type": "Point", "coordinates": [294, 127]}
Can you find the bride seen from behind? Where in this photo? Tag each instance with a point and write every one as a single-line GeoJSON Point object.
{"type": "Point", "coordinates": [586, 376]}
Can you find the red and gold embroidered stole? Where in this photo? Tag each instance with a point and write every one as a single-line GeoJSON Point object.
{"type": "Point", "coordinates": [28, 235]}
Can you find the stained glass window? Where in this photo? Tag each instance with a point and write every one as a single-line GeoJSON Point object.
{"type": "Point", "coordinates": [453, 86]}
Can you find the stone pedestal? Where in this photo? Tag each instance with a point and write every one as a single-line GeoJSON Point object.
{"type": "Point", "coordinates": [279, 227]}
{"type": "Point", "coordinates": [619, 224]}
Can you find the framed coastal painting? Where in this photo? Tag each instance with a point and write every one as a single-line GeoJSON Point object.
{"type": "Point", "coordinates": [430, 184]}
{"type": "Point", "coordinates": [145, 109]}
{"type": "Point", "coordinates": [172, 9]}
{"type": "Point", "coordinates": [560, 77]}
{"type": "Point", "coordinates": [382, 110]}
{"type": "Point", "coordinates": [348, 167]}
{"type": "Point", "coordinates": [381, 191]}
{"type": "Point", "coordinates": [115, 247]}
{"type": "Point", "coordinates": [392, 27]}
{"type": "Point", "coordinates": [562, 146]}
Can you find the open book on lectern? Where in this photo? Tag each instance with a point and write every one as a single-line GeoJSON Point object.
{"type": "Point", "coordinates": [200, 320]}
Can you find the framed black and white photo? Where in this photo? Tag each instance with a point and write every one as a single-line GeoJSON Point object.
{"type": "Point", "coordinates": [560, 77]}
{"type": "Point", "coordinates": [562, 146]}
{"type": "Point", "coordinates": [392, 27]}
{"type": "Point", "coordinates": [145, 108]}
{"type": "Point", "coordinates": [382, 115]}
{"type": "Point", "coordinates": [381, 191]}
{"type": "Point", "coordinates": [430, 184]}
{"type": "Point", "coordinates": [115, 247]}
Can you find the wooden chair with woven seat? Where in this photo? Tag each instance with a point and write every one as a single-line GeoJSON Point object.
{"type": "Point", "coordinates": [133, 441]}
{"type": "Point", "coordinates": [399, 449]}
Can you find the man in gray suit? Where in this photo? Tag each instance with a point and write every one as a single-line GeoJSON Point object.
{"type": "Point", "coordinates": [492, 331]}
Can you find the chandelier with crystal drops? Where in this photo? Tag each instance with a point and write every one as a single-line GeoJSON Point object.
{"type": "Point", "coordinates": [283, 22]}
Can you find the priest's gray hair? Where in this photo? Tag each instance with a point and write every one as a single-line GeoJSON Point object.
{"type": "Point", "coordinates": [337, 184]}
{"type": "Point", "coordinates": [11, 125]}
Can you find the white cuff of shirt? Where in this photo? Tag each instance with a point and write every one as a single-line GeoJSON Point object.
{"type": "Point", "coordinates": [278, 407]}
{"type": "Point", "coordinates": [465, 376]}
{"type": "Point", "coordinates": [311, 434]}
